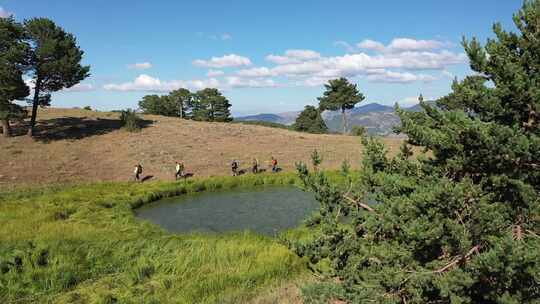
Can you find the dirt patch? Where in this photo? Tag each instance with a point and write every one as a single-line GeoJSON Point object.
{"type": "Point", "coordinates": [79, 145]}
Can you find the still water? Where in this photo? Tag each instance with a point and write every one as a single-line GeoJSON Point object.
{"type": "Point", "coordinates": [265, 210]}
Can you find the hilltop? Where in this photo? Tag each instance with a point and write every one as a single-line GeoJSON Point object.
{"type": "Point", "coordinates": [74, 145]}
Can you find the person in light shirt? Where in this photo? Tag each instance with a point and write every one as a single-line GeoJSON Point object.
{"type": "Point", "coordinates": [137, 172]}
{"type": "Point", "coordinates": [179, 170]}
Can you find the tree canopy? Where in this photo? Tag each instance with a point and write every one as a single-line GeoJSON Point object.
{"type": "Point", "coordinates": [459, 224]}
{"type": "Point", "coordinates": [340, 95]}
{"type": "Point", "coordinates": [13, 52]}
{"type": "Point", "coordinates": [159, 105]}
{"type": "Point", "coordinates": [54, 62]}
{"type": "Point", "coordinates": [310, 120]}
{"type": "Point", "coordinates": [211, 105]}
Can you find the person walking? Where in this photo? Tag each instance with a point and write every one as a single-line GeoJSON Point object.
{"type": "Point", "coordinates": [234, 167]}
{"type": "Point", "coordinates": [137, 172]}
{"type": "Point", "coordinates": [179, 170]}
{"type": "Point", "coordinates": [255, 166]}
{"type": "Point", "coordinates": [273, 164]}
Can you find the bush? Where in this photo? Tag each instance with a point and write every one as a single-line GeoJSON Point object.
{"type": "Point", "coordinates": [358, 130]}
{"type": "Point", "coordinates": [130, 120]}
{"type": "Point", "coordinates": [87, 108]}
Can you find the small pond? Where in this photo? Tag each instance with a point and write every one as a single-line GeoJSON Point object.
{"type": "Point", "coordinates": [265, 210]}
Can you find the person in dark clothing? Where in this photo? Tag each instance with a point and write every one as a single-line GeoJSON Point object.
{"type": "Point", "coordinates": [234, 167]}
{"type": "Point", "coordinates": [255, 166]}
{"type": "Point", "coordinates": [273, 164]}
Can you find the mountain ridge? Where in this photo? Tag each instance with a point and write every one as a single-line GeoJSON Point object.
{"type": "Point", "coordinates": [378, 119]}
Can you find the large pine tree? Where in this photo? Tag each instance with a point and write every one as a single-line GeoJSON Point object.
{"type": "Point", "coordinates": [460, 224]}
{"type": "Point", "coordinates": [210, 105]}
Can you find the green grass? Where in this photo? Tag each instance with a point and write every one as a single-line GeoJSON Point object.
{"type": "Point", "coordinates": [83, 244]}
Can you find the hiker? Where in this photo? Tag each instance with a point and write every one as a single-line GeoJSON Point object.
{"type": "Point", "coordinates": [179, 170]}
{"type": "Point", "coordinates": [273, 164]}
{"type": "Point", "coordinates": [255, 166]}
{"type": "Point", "coordinates": [137, 172]}
{"type": "Point", "coordinates": [234, 167]}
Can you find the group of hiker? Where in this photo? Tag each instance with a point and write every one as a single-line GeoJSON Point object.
{"type": "Point", "coordinates": [235, 169]}
{"type": "Point", "coordinates": [235, 166]}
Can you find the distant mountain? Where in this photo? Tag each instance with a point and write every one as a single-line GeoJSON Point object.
{"type": "Point", "coordinates": [274, 118]}
{"type": "Point", "coordinates": [378, 119]}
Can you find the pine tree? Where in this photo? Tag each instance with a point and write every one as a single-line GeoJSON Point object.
{"type": "Point", "coordinates": [340, 95]}
{"type": "Point", "coordinates": [54, 62]}
{"type": "Point", "coordinates": [211, 105]}
{"type": "Point", "coordinates": [183, 100]}
{"type": "Point", "coordinates": [13, 52]}
{"type": "Point", "coordinates": [311, 121]}
{"type": "Point", "coordinates": [460, 224]}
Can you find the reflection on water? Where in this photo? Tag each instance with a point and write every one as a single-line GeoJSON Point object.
{"type": "Point", "coordinates": [265, 210]}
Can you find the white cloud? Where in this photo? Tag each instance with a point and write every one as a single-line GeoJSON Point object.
{"type": "Point", "coordinates": [231, 60]}
{"type": "Point", "coordinates": [402, 45]}
{"type": "Point", "coordinates": [398, 77]}
{"type": "Point", "coordinates": [294, 56]}
{"type": "Point", "coordinates": [226, 36]}
{"type": "Point", "coordinates": [349, 48]}
{"type": "Point", "coordinates": [238, 82]}
{"type": "Point", "coordinates": [256, 72]}
{"type": "Point", "coordinates": [448, 74]}
{"type": "Point", "coordinates": [369, 44]}
{"type": "Point", "coordinates": [80, 87]}
{"type": "Point", "coordinates": [408, 44]}
{"type": "Point", "coordinates": [214, 73]}
{"type": "Point", "coordinates": [359, 64]}
{"type": "Point", "coordinates": [140, 66]}
{"type": "Point", "coordinates": [4, 13]}
{"type": "Point", "coordinates": [147, 83]}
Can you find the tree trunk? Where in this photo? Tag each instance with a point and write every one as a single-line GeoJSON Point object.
{"type": "Point", "coordinates": [344, 120]}
{"type": "Point", "coordinates": [181, 110]}
{"type": "Point", "coordinates": [35, 105]}
{"type": "Point", "coordinates": [6, 128]}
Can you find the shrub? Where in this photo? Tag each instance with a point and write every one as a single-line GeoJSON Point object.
{"type": "Point", "coordinates": [358, 130]}
{"type": "Point", "coordinates": [87, 108]}
{"type": "Point", "coordinates": [130, 120]}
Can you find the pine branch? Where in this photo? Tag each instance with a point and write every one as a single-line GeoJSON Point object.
{"type": "Point", "coordinates": [358, 203]}
{"type": "Point", "coordinates": [459, 259]}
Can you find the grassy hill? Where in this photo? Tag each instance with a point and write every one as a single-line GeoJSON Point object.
{"type": "Point", "coordinates": [74, 145]}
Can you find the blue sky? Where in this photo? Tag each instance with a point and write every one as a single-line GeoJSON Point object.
{"type": "Point", "coordinates": [267, 56]}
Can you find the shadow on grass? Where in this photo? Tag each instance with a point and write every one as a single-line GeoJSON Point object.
{"type": "Point", "coordinates": [72, 128]}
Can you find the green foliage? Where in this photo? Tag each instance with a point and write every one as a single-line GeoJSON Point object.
{"type": "Point", "coordinates": [316, 159]}
{"type": "Point", "coordinates": [357, 130]}
{"type": "Point", "coordinates": [183, 99]}
{"type": "Point", "coordinates": [211, 105]}
{"type": "Point", "coordinates": [340, 95]}
{"type": "Point", "coordinates": [310, 120]}
{"type": "Point", "coordinates": [13, 53]}
{"type": "Point", "coordinates": [54, 61]}
{"type": "Point", "coordinates": [460, 224]}
{"type": "Point", "coordinates": [176, 104]}
{"type": "Point", "coordinates": [87, 108]}
{"type": "Point", "coordinates": [158, 105]}
{"type": "Point", "coordinates": [130, 120]}
{"type": "Point", "coordinates": [345, 167]}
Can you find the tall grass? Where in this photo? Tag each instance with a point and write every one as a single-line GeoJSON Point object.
{"type": "Point", "coordinates": [82, 244]}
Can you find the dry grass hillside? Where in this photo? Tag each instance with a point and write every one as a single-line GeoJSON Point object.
{"type": "Point", "coordinates": [78, 145]}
